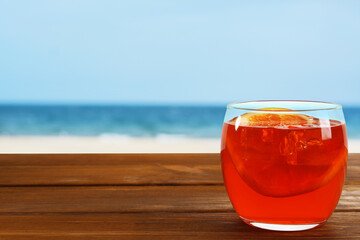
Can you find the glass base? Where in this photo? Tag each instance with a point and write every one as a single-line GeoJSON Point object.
{"type": "Point", "coordinates": [282, 227]}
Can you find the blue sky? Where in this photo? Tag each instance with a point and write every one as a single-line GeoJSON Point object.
{"type": "Point", "coordinates": [179, 51]}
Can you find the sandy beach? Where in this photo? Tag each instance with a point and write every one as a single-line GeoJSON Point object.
{"type": "Point", "coordinates": [116, 144]}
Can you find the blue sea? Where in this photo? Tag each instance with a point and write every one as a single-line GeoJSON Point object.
{"type": "Point", "coordinates": [129, 121]}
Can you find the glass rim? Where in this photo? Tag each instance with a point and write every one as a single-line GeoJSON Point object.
{"type": "Point", "coordinates": [330, 106]}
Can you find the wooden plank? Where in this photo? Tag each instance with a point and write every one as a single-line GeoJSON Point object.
{"type": "Point", "coordinates": [122, 169]}
{"type": "Point", "coordinates": [142, 226]}
{"type": "Point", "coordinates": [109, 169]}
{"type": "Point", "coordinates": [353, 169]}
{"type": "Point", "coordinates": [132, 199]}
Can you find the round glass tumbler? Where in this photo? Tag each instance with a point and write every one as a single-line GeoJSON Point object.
{"type": "Point", "coordinates": [284, 162]}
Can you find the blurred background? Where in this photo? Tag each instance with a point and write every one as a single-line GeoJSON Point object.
{"type": "Point", "coordinates": [155, 76]}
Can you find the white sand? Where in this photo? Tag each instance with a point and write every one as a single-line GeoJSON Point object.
{"type": "Point", "coordinates": [107, 144]}
{"type": "Point", "coordinates": [114, 144]}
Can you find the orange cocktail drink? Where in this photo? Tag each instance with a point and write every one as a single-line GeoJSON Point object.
{"type": "Point", "coordinates": [283, 169]}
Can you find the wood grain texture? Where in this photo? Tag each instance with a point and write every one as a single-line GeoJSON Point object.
{"type": "Point", "coordinates": [109, 169]}
{"type": "Point", "coordinates": [139, 196]}
{"type": "Point", "coordinates": [342, 225]}
{"type": "Point", "coordinates": [122, 169]}
{"type": "Point", "coordinates": [353, 169]}
{"type": "Point", "coordinates": [122, 199]}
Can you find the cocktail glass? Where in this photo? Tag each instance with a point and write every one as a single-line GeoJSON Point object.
{"type": "Point", "coordinates": [284, 162]}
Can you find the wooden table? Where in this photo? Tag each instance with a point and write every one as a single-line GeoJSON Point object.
{"type": "Point", "coordinates": [139, 196]}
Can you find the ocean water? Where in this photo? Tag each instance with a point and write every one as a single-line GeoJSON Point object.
{"type": "Point", "coordinates": [126, 121]}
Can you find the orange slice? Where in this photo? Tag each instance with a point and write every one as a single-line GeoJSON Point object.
{"type": "Point", "coordinates": [272, 119]}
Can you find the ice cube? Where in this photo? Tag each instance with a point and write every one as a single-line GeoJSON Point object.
{"type": "Point", "coordinates": [290, 146]}
{"type": "Point", "coordinates": [267, 135]}
{"type": "Point", "coordinates": [314, 142]}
